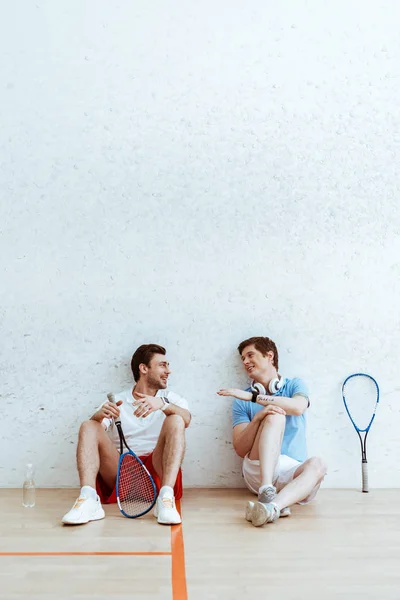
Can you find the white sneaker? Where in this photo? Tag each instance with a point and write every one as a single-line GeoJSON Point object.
{"type": "Point", "coordinates": [285, 512]}
{"type": "Point", "coordinates": [249, 511]}
{"type": "Point", "coordinates": [83, 511]}
{"type": "Point", "coordinates": [264, 513]}
{"type": "Point", "coordinates": [165, 511]}
{"type": "Point", "coordinates": [267, 495]}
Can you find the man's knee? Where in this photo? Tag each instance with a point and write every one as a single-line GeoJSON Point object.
{"type": "Point", "coordinates": [274, 419]}
{"type": "Point", "coordinates": [174, 423]}
{"type": "Point", "coordinates": [318, 466]}
{"type": "Point", "coordinates": [90, 426]}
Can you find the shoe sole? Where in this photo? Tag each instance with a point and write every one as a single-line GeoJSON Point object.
{"type": "Point", "coordinates": [169, 522]}
{"type": "Point", "coordinates": [97, 517]}
{"type": "Point", "coordinates": [259, 515]}
{"type": "Point", "coordinates": [249, 511]}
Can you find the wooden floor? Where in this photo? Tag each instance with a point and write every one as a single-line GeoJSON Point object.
{"type": "Point", "coordinates": [346, 545]}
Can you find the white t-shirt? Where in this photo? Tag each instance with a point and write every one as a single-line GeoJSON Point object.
{"type": "Point", "coordinates": [141, 434]}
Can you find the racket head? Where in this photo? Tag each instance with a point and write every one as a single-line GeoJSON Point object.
{"type": "Point", "coordinates": [360, 393]}
{"type": "Point", "coordinates": [136, 490]}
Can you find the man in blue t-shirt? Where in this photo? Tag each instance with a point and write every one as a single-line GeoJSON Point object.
{"type": "Point", "coordinates": [269, 433]}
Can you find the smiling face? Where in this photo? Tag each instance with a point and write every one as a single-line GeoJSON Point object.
{"type": "Point", "coordinates": [257, 366]}
{"type": "Point", "coordinates": [156, 373]}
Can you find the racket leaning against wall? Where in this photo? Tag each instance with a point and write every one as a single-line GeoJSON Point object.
{"type": "Point", "coordinates": [136, 490]}
{"type": "Point", "coordinates": [361, 398]}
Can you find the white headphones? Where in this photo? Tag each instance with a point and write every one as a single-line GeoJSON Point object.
{"type": "Point", "coordinates": [273, 387]}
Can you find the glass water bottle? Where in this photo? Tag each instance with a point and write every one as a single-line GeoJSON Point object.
{"type": "Point", "coordinates": [28, 495]}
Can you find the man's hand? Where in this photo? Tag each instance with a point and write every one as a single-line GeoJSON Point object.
{"type": "Point", "coordinates": [236, 393]}
{"type": "Point", "coordinates": [108, 411]}
{"type": "Point", "coordinates": [146, 404]}
{"type": "Point", "coordinates": [268, 410]}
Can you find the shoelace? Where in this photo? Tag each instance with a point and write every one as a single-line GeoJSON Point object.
{"type": "Point", "coordinates": [168, 502]}
{"type": "Point", "coordinates": [79, 501]}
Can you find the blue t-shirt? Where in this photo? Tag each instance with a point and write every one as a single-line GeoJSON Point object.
{"type": "Point", "coordinates": [294, 438]}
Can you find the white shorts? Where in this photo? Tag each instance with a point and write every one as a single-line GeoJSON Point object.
{"type": "Point", "coordinates": [284, 472]}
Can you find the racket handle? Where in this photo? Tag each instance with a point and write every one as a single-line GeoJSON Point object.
{"type": "Point", "coordinates": [111, 398]}
{"type": "Point", "coordinates": [364, 468]}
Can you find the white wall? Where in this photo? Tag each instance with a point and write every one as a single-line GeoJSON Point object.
{"type": "Point", "coordinates": [192, 173]}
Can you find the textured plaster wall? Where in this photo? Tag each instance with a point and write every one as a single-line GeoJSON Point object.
{"type": "Point", "coordinates": [192, 173]}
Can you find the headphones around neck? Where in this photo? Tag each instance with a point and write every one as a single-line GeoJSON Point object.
{"type": "Point", "coordinates": [273, 387]}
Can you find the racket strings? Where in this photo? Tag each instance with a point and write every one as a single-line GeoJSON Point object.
{"type": "Point", "coordinates": [361, 395]}
{"type": "Point", "coordinates": [135, 487]}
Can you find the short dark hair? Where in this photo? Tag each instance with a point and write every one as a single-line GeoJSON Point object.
{"type": "Point", "coordinates": [143, 355]}
{"type": "Point", "coordinates": [263, 345]}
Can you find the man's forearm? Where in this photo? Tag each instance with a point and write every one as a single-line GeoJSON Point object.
{"type": "Point", "coordinates": [174, 409]}
{"type": "Point", "coordinates": [291, 406]}
{"type": "Point", "coordinates": [97, 417]}
{"type": "Point", "coordinates": [244, 443]}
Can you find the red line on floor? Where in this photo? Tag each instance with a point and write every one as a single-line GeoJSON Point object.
{"type": "Point", "coordinates": [179, 588]}
{"type": "Point", "coordinates": [85, 553]}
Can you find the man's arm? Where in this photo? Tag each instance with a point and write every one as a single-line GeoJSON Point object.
{"type": "Point", "coordinates": [99, 418]}
{"type": "Point", "coordinates": [292, 406]}
{"type": "Point", "coordinates": [244, 435]}
{"type": "Point", "coordinates": [174, 409]}
{"type": "Point", "coordinates": [106, 411]}
{"type": "Point", "coordinates": [296, 405]}
{"type": "Point", "coordinates": [145, 405]}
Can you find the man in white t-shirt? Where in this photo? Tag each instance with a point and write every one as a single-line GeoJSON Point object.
{"type": "Point", "coordinates": [153, 420]}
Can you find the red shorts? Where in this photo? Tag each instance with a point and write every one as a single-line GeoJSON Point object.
{"type": "Point", "coordinates": [107, 498]}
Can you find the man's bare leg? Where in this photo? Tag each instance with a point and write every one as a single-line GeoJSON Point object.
{"type": "Point", "coordinates": [96, 454]}
{"type": "Point", "coordinates": [167, 459]}
{"type": "Point", "coordinates": [306, 478]}
{"type": "Point", "coordinates": [267, 446]}
{"type": "Point", "coordinates": [169, 451]}
{"type": "Point", "coordinates": [267, 449]}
